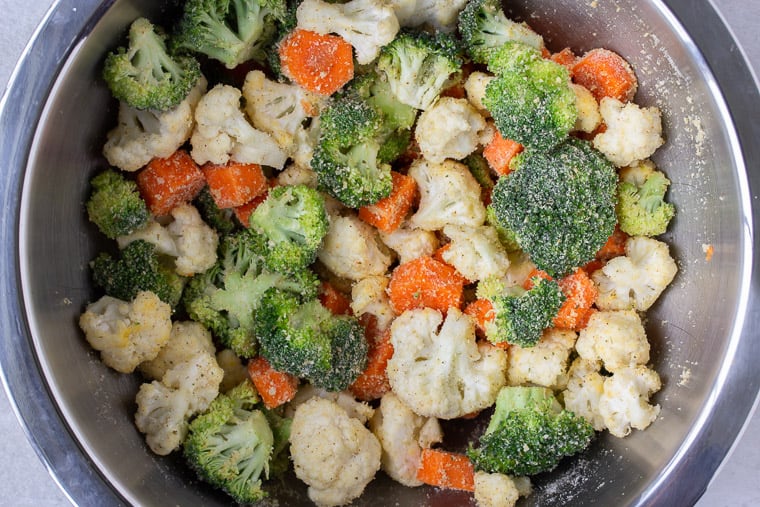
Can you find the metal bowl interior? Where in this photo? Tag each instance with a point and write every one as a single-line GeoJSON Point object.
{"type": "Point", "coordinates": [700, 331]}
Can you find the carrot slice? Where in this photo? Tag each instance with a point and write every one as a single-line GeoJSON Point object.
{"type": "Point", "coordinates": [373, 382]}
{"type": "Point", "coordinates": [167, 182]}
{"type": "Point", "coordinates": [446, 469]}
{"type": "Point", "coordinates": [566, 58]}
{"type": "Point", "coordinates": [500, 151]}
{"type": "Point", "coordinates": [482, 311]}
{"type": "Point", "coordinates": [243, 212]}
{"type": "Point", "coordinates": [425, 283]}
{"type": "Point", "coordinates": [234, 183]}
{"type": "Point", "coordinates": [615, 245]}
{"type": "Point", "coordinates": [388, 213]}
{"type": "Point", "coordinates": [274, 387]}
{"type": "Point", "coordinates": [580, 293]}
{"type": "Point", "coordinates": [334, 300]}
{"type": "Point", "coordinates": [606, 74]}
{"type": "Point", "coordinates": [319, 63]}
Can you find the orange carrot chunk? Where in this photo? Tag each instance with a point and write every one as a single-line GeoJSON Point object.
{"type": "Point", "coordinates": [243, 212]}
{"type": "Point", "coordinates": [615, 245]}
{"type": "Point", "coordinates": [580, 293]}
{"type": "Point", "coordinates": [373, 382]}
{"type": "Point", "coordinates": [274, 387]}
{"type": "Point", "coordinates": [425, 283]}
{"type": "Point", "coordinates": [606, 74]}
{"type": "Point", "coordinates": [446, 469]}
{"type": "Point", "coordinates": [334, 300]}
{"type": "Point", "coordinates": [566, 58]}
{"type": "Point", "coordinates": [499, 152]}
{"type": "Point", "coordinates": [388, 213]}
{"type": "Point", "coordinates": [319, 63]}
{"type": "Point", "coordinates": [234, 183]}
{"type": "Point", "coordinates": [482, 311]}
{"type": "Point", "coordinates": [167, 182]}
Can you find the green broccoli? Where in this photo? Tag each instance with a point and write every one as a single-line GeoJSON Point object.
{"type": "Point", "coordinates": [223, 221]}
{"type": "Point", "coordinates": [530, 98]}
{"type": "Point", "coordinates": [308, 341]}
{"type": "Point", "coordinates": [115, 205]}
{"type": "Point", "coordinates": [418, 66]}
{"type": "Point", "coordinates": [641, 209]}
{"type": "Point", "coordinates": [231, 445]}
{"type": "Point", "coordinates": [293, 221]}
{"type": "Point", "coordinates": [529, 432]}
{"type": "Point", "coordinates": [507, 236]}
{"type": "Point", "coordinates": [520, 316]}
{"type": "Point", "coordinates": [560, 205]}
{"type": "Point", "coordinates": [230, 31]}
{"type": "Point", "coordinates": [144, 75]}
{"type": "Point", "coordinates": [484, 29]}
{"type": "Point", "coordinates": [226, 298]}
{"type": "Point", "coordinates": [138, 267]}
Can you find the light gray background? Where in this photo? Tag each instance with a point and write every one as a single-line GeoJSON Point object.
{"type": "Point", "coordinates": [25, 482]}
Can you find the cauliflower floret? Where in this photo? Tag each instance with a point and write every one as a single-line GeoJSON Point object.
{"type": "Point", "coordinates": [636, 279]}
{"type": "Point", "coordinates": [450, 128]}
{"type": "Point", "coordinates": [475, 88]}
{"type": "Point", "coordinates": [305, 139]}
{"type": "Point", "coordinates": [476, 252]}
{"type": "Point", "coordinates": [351, 249]}
{"type": "Point", "coordinates": [584, 390]}
{"type": "Point", "coordinates": [186, 340]}
{"type": "Point", "coordinates": [495, 490]}
{"type": "Point", "coordinates": [588, 109]}
{"type": "Point", "coordinates": [367, 25]}
{"type": "Point", "coordinates": [295, 174]}
{"type": "Point", "coordinates": [222, 133]}
{"type": "Point", "coordinates": [354, 408]}
{"type": "Point", "coordinates": [235, 371]}
{"type": "Point", "coordinates": [449, 194]}
{"type": "Point", "coordinates": [440, 14]}
{"type": "Point", "coordinates": [615, 337]}
{"type": "Point", "coordinates": [399, 431]}
{"type": "Point", "coordinates": [127, 333]}
{"type": "Point", "coordinates": [164, 408]}
{"type": "Point", "coordinates": [443, 372]}
{"type": "Point", "coordinates": [625, 401]}
{"type": "Point", "coordinates": [142, 135]}
{"type": "Point", "coordinates": [369, 295]}
{"type": "Point", "coordinates": [545, 364]}
{"type": "Point", "coordinates": [410, 243]}
{"type": "Point", "coordinates": [333, 453]}
{"type": "Point", "coordinates": [633, 133]}
{"type": "Point", "coordinates": [155, 234]}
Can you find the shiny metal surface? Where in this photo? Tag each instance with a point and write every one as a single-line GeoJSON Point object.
{"type": "Point", "coordinates": [78, 413]}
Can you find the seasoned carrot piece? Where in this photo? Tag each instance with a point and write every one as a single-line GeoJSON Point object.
{"type": "Point", "coordinates": [606, 74]}
{"type": "Point", "coordinates": [425, 283]}
{"type": "Point", "coordinates": [615, 245]}
{"type": "Point", "coordinates": [318, 63]}
{"type": "Point", "coordinates": [274, 387]}
{"type": "Point", "coordinates": [334, 300]}
{"type": "Point", "coordinates": [167, 182]}
{"type": "Point", "coordinates": [243, 212]}
{"type": "Point", "coordinates": [446, 469]}
{"type": "Point", "coordinates": [373, 382]}
{"type": "Point", "coordinates": [482, 311]}
{"type": "Point", "coordinates": [566, 58]}
{"type": "Point", "coordinates": [234, 184]}
{"type": "Point", "coordinates": [388, 213]}
{"type": "Point", "coordinates": [499, 152]}
{"type": "Point", "coordinates": [580, 293]}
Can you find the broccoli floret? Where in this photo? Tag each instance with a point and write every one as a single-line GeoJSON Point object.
{"type": "Point", "coordinates": [138, 267]}
{"type": "Point", "coordinates": [115, 205]}
{"type": "Point", "coordinates": [418, 66]}
{"type": "Point", "coordinates": [529, 433]}
{"type": "Point", "coordinates": [226, 298]}
{"type": "Point", "coordinates": [231, 31]}
{"type": "Point", "coordinates": [293, 221]}
{"type": "Point", "coordinates": [530, 98]}
{"type": "Point", "coordinates": [231, 444]}
{"type": "Point", "coordinates": [144, 75]}
{"type": "Point", "coordinates": [484, 29]}
{"type": "Point", "coordinates": [308, 341]}
{"type": "Point", "coordinates": [507, 236]}
{"type": "Point", "coordinates": [641, 209]}
{"type": "Point", "coordinates": [222, 220]}
{"type": "Point", "coordinates": [560, 205]}
{"type": "Point", "coordinates": [520, 316]}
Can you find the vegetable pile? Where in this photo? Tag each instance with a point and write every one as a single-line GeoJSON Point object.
{"type": "Point", "coordinates": [356, 219]}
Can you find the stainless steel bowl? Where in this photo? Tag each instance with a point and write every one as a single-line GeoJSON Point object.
{"type": "Point", "coordinates": [704, 332]}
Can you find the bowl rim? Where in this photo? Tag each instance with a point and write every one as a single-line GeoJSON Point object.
{"type": "Point", "coordinates": [68, 21]}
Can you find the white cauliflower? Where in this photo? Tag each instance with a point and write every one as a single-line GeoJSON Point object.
{"type": "Point", "coordinates": [402, 435]}
{"type": "Point", "coordinates": [295, 174]}
{"type": "Point", "coordinates": [334, 454]}
{"type": "Point", "coordinates": [164, 408]}
{"type": "Point", "coordinates": [443, 372]}
{"type": "Point", "coordinates": [351, 249]}
{"type": "Point", "coordinates": [369, 295]}
{"type": "Point", "coordinates": [616, 338]}
{"type": "Point", "coordinates": [584, 390]}
{"type": "Point", "coordinates": [187, 238]}
{"type": "Point", "coordinates": [127, 333]}
{"type": "Point", "coordinates": [367, 25]}
{"type": "Point", "coordinates": [410, 243]}
{"type": "Point", "coordinates": [450, 128]}
{"type": "Point", "coordinates": [222, 133]}
{"type": "Point", "coordinates": [476, 252]}
{"type": "Point", "coordinates": [449, 194]}
{"type": "Point", "coordinates": [187, 339]}
{"type": "Point", "coordinates": [305, 139]}
{"type": "Point", "coordinates": [545, 364]}
{"type": "Point", "coordinates": [143, 135]}
{"type": "Point", "coordinates": [475, 88]}
{"type": "Point", "coordinates": [440, 14]}
{"type": "Point", "coordinates": [636, 279]}
{"type": "Point", "coordinates": [588, 118]}
{"type": "Point", "coordinates": [633, 133]}
{"type": "Point", "coordinates": [355, 409]}
{"type": "Point", "coordinates": [625, 401]}
{"type": "Point", "coordinates": [235, 372]}
{"type": "Point", "coordinates": [495, 490]}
